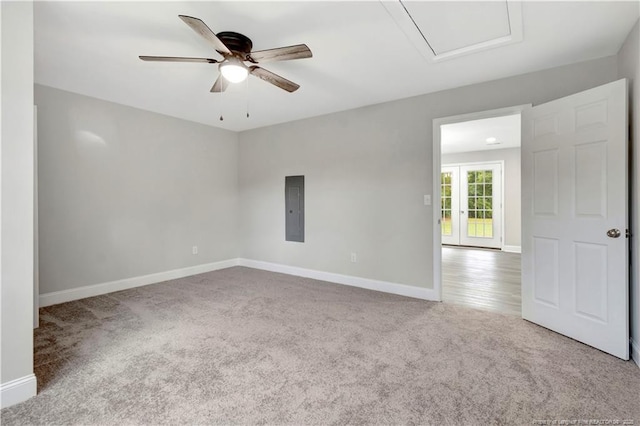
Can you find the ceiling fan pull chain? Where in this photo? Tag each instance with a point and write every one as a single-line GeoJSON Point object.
{"type": "Point", "coordinates": [247, 80]}
{"type": "Point", "coordinates": [221, 100]}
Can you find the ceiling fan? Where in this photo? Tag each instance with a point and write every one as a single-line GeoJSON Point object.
{"type": "Point", "coordinates": [235, 48]}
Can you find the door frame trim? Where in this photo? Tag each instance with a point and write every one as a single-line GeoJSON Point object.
{"type": "Point", "coordinates": [437, 122]}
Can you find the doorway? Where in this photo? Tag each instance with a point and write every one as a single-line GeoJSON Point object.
{"type": "Point", "coordinates": [477, 260]}
{"type": "Point", "coordinates": [575, 269]}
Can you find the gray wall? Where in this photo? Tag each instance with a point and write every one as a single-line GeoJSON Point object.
{"type": "Point", "coordinates": [17, 167]}
{"type": "Point", "coordinates": [511, 208]}
{"type": "Point", "coordinates": [366, 171]}
{"type": "Point", "coordinates": [125, 192]}
{"type": "Point", "coordinates": [629, 67]}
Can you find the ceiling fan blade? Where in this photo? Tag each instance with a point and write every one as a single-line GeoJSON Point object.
{"type": "Point", "coordinates": [299, 51]}
{"type": "Point", "coordinates": [177, 59]}
{"type": "Point", "coordinates": [220, 85]}
{"type": "Point", "coordinates": [274, 79]}
{"type": "Point", "coordinates": [201, 28]}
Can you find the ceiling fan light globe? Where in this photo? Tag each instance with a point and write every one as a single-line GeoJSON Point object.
{"type": "Point", "coordinates": [234, 73]}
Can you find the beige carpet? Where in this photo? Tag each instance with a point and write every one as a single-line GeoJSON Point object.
{"type": "Point", "coordinates": [241, 346]}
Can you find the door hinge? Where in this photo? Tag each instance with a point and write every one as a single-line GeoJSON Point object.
{"type": "Point", "coordinates": [627, 233]}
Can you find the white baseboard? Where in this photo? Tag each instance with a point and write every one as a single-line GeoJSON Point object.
{"type": "Point", "coordinates": [18, 390]}
{"type": "Point", "coordinates": [512, 249]}
{"type": "Point", "coordinates": [53, 298]}
{"type": "Point", "coordinates": [635, 352]}
{"type": "Point", "coordinates": [383, 286]}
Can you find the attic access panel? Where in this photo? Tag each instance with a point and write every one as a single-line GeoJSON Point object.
{"type": "Point", "coordinates": [452, 26]}
{"type": "Point", "coordinates": [444, 30]}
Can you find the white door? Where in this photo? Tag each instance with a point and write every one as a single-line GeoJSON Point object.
{"type": "Point", "coordinates": [574, 217]}
{"type": "Point", "coordinates": [471, 205]}
{"type": "Point", "coordinates": [480, 205]}
{"type": "Point", "coordinates": [450, 205]}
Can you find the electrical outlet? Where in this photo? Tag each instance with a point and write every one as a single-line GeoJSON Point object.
{"type": "Point", "coordinates": [354, 257]}
{"type": "Point", "coordinates": [194, 250]}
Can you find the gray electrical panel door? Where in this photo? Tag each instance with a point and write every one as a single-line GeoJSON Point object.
{"type": "Point", "coordinates": [294, 204]}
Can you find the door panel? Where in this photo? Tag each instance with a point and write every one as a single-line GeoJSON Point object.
{"type": "Point", "coordinates": [591, 280]}
{"type": "Point", "coordinates": [480, 212]}
{"type": "Point", "coordinates": [591, 179]}
{"type": "Point", "coordinates": [545, 182]}
{"type": "Point", "coordinates": [546, 272]}
{"type": "Point", "coordinates": [450, 206]}
{"type": "Point", "coordinates": [574, 181]}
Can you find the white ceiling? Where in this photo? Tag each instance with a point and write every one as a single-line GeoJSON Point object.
{"type": "Point", "coordinates": [472, 135]}
{"type": "Point", "coordinates": [361, 55]}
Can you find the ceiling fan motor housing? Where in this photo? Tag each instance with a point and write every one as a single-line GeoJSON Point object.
{"type": "Point", "coordinates": [236, 42]}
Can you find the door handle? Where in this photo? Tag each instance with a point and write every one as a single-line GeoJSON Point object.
{"type": "Point", "coordinates": [613, 233]}
{"type": "Point", "coordinates": [461, 211]}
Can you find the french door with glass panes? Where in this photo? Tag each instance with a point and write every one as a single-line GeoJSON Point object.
{"type": "Point", "coordinates": [450, 210]}
{"type": "Point", "coordinates": [471, 205]}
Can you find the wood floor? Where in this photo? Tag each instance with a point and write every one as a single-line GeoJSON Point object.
{"type": "Point", "coordinates": [481, 278]}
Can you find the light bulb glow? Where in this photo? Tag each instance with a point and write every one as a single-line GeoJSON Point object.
{"type": "Point", "coordinates": [234, 71]}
